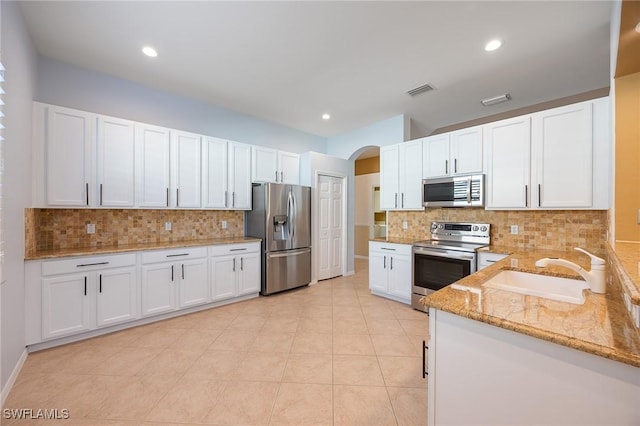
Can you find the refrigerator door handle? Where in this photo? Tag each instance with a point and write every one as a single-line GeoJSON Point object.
{"type": "Point", "coordinates": [294, 213]}
{"type": "Point", "coordinates": [287, 253]}
{"type": "Point", "coordinates": [290, 210]}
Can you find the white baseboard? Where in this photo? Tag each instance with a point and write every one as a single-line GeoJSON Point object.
{"type": "Point", "coordinates": [349, 273]}
{"type": "Point", "coordinates": [13, 377]}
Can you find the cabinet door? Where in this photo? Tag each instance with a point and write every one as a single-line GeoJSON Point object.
{"type": "Point", "coordinates": [240, 176]}
{"type": "Point", "coordinates": [158, 288]}
{"type": "Point", "coordinates": [187, 161]}
{"type": "Point", "coordinates": [65, 305]}
{"type": "Point", "coordinates": [116, 299]}
{"type": "Point", "coordinates": [69, 145]}
{"type": "Point", "coordinates": [289, 169]}
{"type": "Point", "coordinates": [223, 277]}
{"type": "Point", "coordinates": [214, 173]}
{"type": "Point", "coordinates": [249, 275]}
{"type": "Point", "coordinates": [378, 264]}
{"type": "Point", "coordinates": [508, 163]}
{"type": "Point", "coordinates": [389, 177]}
{"type": "Point", "coordinates": [152, 171]}
{"type": "Point", "coordinates": [562, 144]}
{"type": "Point", "coordinates": [116, 162]}
{"type": "Point", "coordinates": [264, 164]}
{"type": "Point", "coordinates": [194, 283]}
{"type": "Point", "coordinates": [466, 151]}
{"type": "Point", "coordinates": [435, 156]}
{"type": "Point", "coordinates": [410, 175]}
{"type": "Point", "coordinates": [400, 277]}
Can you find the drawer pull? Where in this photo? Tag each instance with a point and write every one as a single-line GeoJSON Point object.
{"type": "Point", "coordinates": [85, 286]}
{"type": "Point", "coordinates": [91, 264]}
{"type": "Point", "coordinates": [390, 249]}
{"type": "Point", "coordinates": [177, 255]}
{"type": "Point", "coordinates": [100, 283]}
{"type": "Point", "coordinates": [490, 261]}
{"type": "Point", "coordinates": [238, 249]}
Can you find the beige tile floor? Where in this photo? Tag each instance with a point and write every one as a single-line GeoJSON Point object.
{"type": "Point", "coordinates": [326, 354]}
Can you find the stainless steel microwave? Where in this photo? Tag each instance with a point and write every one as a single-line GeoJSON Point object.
{"type": "Point", "coordinates": [454, 191]}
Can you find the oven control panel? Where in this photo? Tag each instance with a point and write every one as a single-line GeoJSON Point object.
{"type": "Point", "coordinates": [460, 229]}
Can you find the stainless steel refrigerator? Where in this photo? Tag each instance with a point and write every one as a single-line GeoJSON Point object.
{"type": "Point", "coordinates": [281, 216]}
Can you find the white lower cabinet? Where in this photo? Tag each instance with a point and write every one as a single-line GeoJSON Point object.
{"type": "Point", "coordinates": [486, 258]}
{"type": "Point", "coordinates": [173, 279]}
{"type": "Point", "coordinates": [390, 270]}
{"type": "Point", "coordinates": [235, 270]}
{"type": "Point", "coordinates": [75, 295]}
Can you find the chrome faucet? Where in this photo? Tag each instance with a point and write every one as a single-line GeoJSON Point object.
{"type": "Point", "coordinates": [595, 277]}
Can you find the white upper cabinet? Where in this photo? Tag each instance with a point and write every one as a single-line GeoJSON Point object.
{"type": "Point", "coordinates": [69, 138]}
{"type": "Point", "coordinates": [153, 167]}
{"type": "Point", "coordinates": [401, 176]}
{"type": "Point", "coordinates": [214, 173]}
{"type": "Point", "coordinates": [563, 156]}
{"type": "Point", "coordinates": [240, 175]}
{"type": "Point", "coordinates": [186, 159]}
{"type": "Point", "coordinates": [508, 163]}
{"type": "Point", "coordinates": [554, 159]}
{"type": "Point", "coordinates": [453, 153]}
{"type": "Point", "coordinates": [116, 162]}
{"type": "Point", "coordinates": [271, 165]}
{"type": "Point", "coordinates": [226, 175]}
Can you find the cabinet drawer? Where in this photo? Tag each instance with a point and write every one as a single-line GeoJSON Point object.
{"type": "Point", "coordinates": [173, 254]}
{"type": "Point", "coordinates": [232, 249]}
{"type": "Point", "coordinates": [390, 247]}
{"type": "Point", "coordinates": [487, 258]}
{"type": "Point", "coordinates": [91, 263]}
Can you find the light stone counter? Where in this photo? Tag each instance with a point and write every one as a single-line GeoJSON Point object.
{"type": "Point", "coordinates": [601, 326]}
{"type": "Point", "coordinates": [89, 251]}
{"type": "Point", "coordinates": [392, 240]}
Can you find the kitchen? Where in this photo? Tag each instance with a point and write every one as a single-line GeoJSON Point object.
{"type": "Point", "coordinates": [58, 83]}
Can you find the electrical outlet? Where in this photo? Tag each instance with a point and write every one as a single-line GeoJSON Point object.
{"type": "Point", "coordinates": [514, 229]}
{"type": "Point", "coordinates": [91, 228]}
{"type": "Point", "coordinates": [167, 226]}
{"type": "Point", "coordinates": [223, 224]}
{"type": "Point", "coordinates": [405, 224]}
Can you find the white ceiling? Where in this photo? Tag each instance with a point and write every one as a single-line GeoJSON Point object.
{"type": "Point", "coordinates": [289, 62]}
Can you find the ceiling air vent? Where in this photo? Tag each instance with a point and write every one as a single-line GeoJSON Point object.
{"type": "Point", "coordinates": [420, 89]}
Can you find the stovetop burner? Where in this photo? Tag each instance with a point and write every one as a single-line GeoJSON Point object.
{"type": "Point", "coordinates": [457, 236]}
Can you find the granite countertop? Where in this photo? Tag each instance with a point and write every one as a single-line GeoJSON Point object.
{"type": "Point", "coordinates": [88, 251]}
{"type": "Point", "coordinates": [601, 326]}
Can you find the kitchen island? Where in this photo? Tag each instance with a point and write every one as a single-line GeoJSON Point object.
{"type": "Point", "coordinates": [499, 357]}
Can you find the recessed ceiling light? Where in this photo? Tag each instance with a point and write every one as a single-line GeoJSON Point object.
{"type": "Point", "coordinates": [496, 100]}
{"type": "Point", "coordinates": [492, 45]}
{"type": "Point", "coordinates": [149, 51]}
{"type": "Point", "coordinates": [326, 116]}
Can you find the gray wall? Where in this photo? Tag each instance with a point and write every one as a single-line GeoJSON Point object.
{"type": "Point", "coordinates": [67, 85]}
{"type": "Point", "coordinates": [19, 59]}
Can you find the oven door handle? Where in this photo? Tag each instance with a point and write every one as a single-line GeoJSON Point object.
{"type": "Point", "coordinates": [447, 254]}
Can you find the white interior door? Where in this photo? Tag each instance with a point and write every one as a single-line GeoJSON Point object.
{"type": "Point", "coordinates": [331, 195]}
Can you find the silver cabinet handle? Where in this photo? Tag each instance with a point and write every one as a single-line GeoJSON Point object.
{"type": "Point", "coordinates": [177, 197]}
{"type": "Point", "coordinates": [167, 197]}
{"type": "Point", "coordinates": [177, 255]}
{"type": "Point", "coordinates": [384, 262]}
{"type": "Point", "coordinates": [238, 249]}
{"type": "Point", "coordinates": [387, 248]}
{"type": "Point", "coordinates": [86, 185]}
{"type": "Point", "coordinates": [455, 165]}
{"type": "Point", "coordinates": [233, 199]}
{"type": "Point", "coordinates": [171, 272]}
{"type": "Point", "coordinates": [183, 271]}
{"type": "Point", "coordinates": [242, 264]}
{"type": "Point", "coordinates": [225, 198]}
{"type": "Point", "coordinates": [391, 263]}
{"type": "Point", "coordinates": [234, 264]}
{"type": "Point", "coordinates": [425, 373]}
{"type": "Point", "coordinates": [396, 202]}
{"type": "Point", "coordinates": [85, 286]}
{"type": "Point", "coordinates": [539, 195]}
{"type": "Point", "coordinates": [446, 167]}
{"type": "Point", "coordinates": [100, 194]}
{"type": "Point", "coordinates": [402, 200]}
{"type": "Point", "coordinates": [100, 282]}
{"type": "Point", "coordinates": [91, 264]}
{"type": "Point", "coordinates": [281, 176]}
{"type": "Point", "coordinates": [276, 175]}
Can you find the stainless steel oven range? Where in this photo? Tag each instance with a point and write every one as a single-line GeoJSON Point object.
{"type": "Point", "coordinates": [448, 256]}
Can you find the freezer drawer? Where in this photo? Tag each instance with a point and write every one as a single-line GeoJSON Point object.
{"type": "Point", "coordinates": [286, 269]}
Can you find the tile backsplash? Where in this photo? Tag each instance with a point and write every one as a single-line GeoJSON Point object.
{"type": "Point", "coordinates": [49, 229]}
{"type": "Point", "coordinates": [542, 229]}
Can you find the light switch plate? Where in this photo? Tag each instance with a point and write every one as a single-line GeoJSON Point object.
{"type": "Point", "coordinates": [405, 224]}
{"type": "Point", "coordinates": [514, 229]}
{"type": "Point", "coordinates": [167, 226]}
{"type": "Point", "coordinates": [223, 224]}
{"type": "Point", "coordinates": [91, 228]}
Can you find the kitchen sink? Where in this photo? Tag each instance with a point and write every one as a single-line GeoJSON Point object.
{"type": "Point", "coordinates": [554, 288]}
